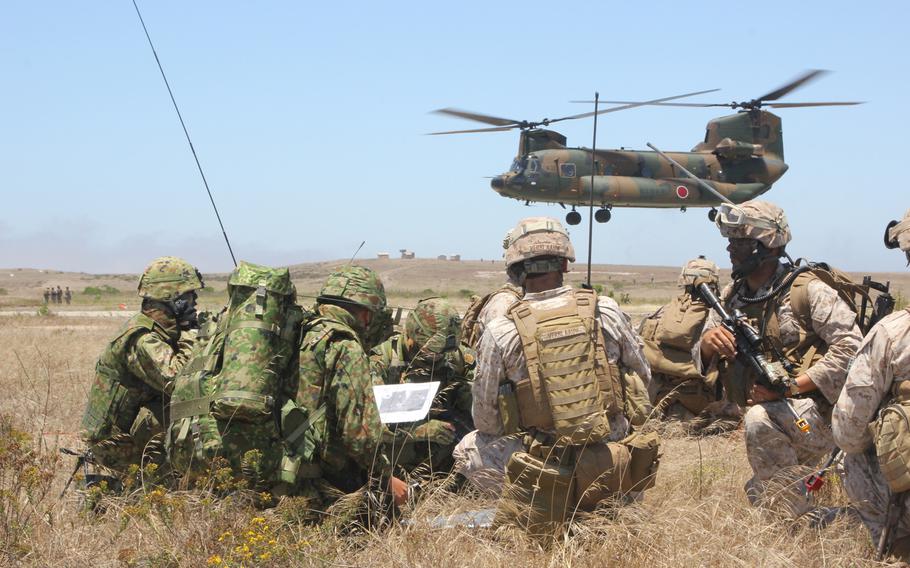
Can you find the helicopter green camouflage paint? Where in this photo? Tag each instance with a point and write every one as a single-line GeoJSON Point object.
{"type": "Point", "coordinates": [742, 156]}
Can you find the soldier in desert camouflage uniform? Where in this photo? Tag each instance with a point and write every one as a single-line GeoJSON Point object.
{"type": "Point", "coordinates": [485, 309]}
{"type": "Point", "coordinates": [538, 250]}
{"type": "Point", "coordinates": [877, 377]}
{"type": "Point", "coordinates": [123, 423]}
{"type": "Point", "coordinates": [429, 349]}
{"type": "Point", "coordinates": [819, 343]}
{"type": "Point", "coordinates": [335, 380]}
{"type": "Point", "coordinates": [669, 334]}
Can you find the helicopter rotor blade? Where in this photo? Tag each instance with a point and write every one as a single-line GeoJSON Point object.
{"type": "Point", "coordinates": [796, 105]}
{"type": "Point", "coordinates": [477, 117]}
{"type": "Point", "coordinates": [696, 105]}
{"type": "Point", "coordinates": [494, 129]}
{"type": "Point", "coordinates": [630, 105]}
{"type": "Point", "coordinates": [810, 75]}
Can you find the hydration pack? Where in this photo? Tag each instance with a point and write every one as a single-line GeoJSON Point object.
{"type": "Point", "coordinates": [470, 326]}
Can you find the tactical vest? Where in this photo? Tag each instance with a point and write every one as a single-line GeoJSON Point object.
{"type": "Point", "coordinates": [807, 350]}
{"type": "Point", "coordinates": [116, 395]}
{"type": "Point", "coordinates": [891, 436]}
{"type": "Point", "coordinates": [669, 337]}
{"type": "Point", "coordinates": [470, 325]}
{"type": "Point", "coordinates": [572, 389]}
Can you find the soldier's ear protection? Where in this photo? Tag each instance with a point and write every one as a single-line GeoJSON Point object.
{"type": "Point", "coordinates": [889, 242]}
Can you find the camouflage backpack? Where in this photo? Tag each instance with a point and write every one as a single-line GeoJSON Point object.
{"type": "Point", "coordinates": [234, 398]}
{"type": "Point", "coordinates": [470, 327]}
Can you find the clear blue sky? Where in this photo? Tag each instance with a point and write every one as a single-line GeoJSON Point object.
{"type": "Point", "coordinates": [308, 119]}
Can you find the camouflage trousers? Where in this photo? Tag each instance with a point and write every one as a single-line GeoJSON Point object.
{"type": "Point", "coordinates": [776, 447]}
{"type": "Point", "coordinates": [141, 446]}
{"type": "Point", "coordinates": [482, 458]}
{"type": "Point", "coordinates": [425, 457]}
{"type": "Point", "coordinates": [869, 495]}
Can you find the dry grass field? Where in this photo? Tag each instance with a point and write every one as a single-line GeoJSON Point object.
{"type": "Point", "coordinates": [697, 514]}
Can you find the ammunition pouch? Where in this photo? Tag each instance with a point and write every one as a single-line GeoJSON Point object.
{"type": "Point", "coordinates": [891, 434]}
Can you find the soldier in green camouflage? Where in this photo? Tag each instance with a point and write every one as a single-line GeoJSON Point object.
{"type": "Point", "coordinates": [123, 423]}
{"type": "Point", "coordinates": [430, 349]}
{"type": "Point", "coordinates": [336, 389]}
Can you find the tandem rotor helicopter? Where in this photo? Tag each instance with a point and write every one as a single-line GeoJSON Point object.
{"type": "Point", "coordinates": [741, 156]}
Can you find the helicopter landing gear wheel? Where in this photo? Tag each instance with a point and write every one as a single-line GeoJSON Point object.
{"type": "Point", "coordinates": [602, 215]}
{"type": "Point", "coordinates": [712, 214]}
{"type": "Point", "coordinates": [573, 217]}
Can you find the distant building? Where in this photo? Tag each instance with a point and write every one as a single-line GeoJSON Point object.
{"type": "Point", "coordinates": [382, 255]}
{"type": "Point", "coordinates": [406, 254]}
{"type": "Point", "coordinates": [455, 257]}
{"type": "Point", "coordinates": [441, 257]}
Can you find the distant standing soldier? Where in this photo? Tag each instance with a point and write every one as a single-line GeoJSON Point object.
{"type": "Point", "coordinates": [677, 386]}
{"type": "Point", "coordinates": [878, 392]}
{"type": "Point", "coordinates": [805, 325]}
{"type": "Point", "coordinates": [123, 423]}
{"type": "Point", "coordinates": [53, 295]}
{"type": "Point", "coordinates": [336, 389]}
{"type": "Point", "coordinates": [59, 295]}
{"type": "Point", "coordinates": [68, 295]}
{"type": "Point", "coordinates": [47, 295]}
{"type": "Point", "coordinates": [549, 397]}
{"type": "Point", "coordinates": [429, 349]}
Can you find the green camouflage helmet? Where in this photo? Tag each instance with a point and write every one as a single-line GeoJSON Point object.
{"type": "Point", "coordinates": [356, 284]}
{"type": "Point", "coordinates": [434, 326]}
{"type": "Point", "coordinates": [167, 277]}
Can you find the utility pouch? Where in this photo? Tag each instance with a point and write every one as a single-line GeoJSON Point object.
{"type": "Point", "coordinates": [508, 409]}
{"type": "Point", "coordinates": [891, 433]}
{"type": "Point", "coordinates": [644, 450]}
{"type": "Point", "coordinates": [537, 496]}
{"type": "Point", "coordinates": [600, 472]}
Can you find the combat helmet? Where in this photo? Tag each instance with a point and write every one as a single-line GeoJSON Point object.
{"type": "Point", "coordinates": [434, 326]}
{"type": "Point", "coordinates": [759, 220]}
{"type": "Point", "coordinates": [354, 285]}
{"type": "Point", "coordinates": [897, 235]}
{"type": "Point", "coordinates": [535, 237]}
{"type": "Point", "coordinates": [169, 277]}
{"type": "Point", "coordinates": [697, 271]}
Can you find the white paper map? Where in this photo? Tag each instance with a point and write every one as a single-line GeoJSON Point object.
{"type": "Point", "coordinates": [407, 402]}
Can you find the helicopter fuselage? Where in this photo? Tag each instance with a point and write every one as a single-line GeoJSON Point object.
{"type": "Point", "coordinates": [630, 178]}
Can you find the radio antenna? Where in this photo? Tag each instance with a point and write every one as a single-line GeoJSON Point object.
{"type": "Point", "coordinates": [185, 131]}
{"type": "Point", "coordinates": [593, 173]}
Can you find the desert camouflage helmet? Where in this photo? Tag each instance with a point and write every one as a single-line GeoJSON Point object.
{"type": "Point", "coordinates": [759, 220]}
{"type": "Point", "coordinates": [697, 271]}
{"type": "Point", "coordinates": [356, 284]}
{"type": "Point", "coordinates": [897, 235]}
{"type": "Point", "coordinates": [537, 236]}
{"type": "Point", "coordinates": [434, 326]}
{"type": "Point", "coordinates": [167, 277]}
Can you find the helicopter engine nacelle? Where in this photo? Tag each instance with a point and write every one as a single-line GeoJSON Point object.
{"type": "Point", "coordinates": [730, 149]}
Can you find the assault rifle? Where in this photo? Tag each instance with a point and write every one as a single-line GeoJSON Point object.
{"type": "Point", "coordinates": [748, 352]}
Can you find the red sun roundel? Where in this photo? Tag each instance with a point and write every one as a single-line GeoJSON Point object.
{"type": "Point", "coordinates": [682, 191]}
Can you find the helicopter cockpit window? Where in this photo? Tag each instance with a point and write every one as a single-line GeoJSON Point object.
{"type": "Point", "coordinates": [533, 165]}
{"type": "Point", "coordinates": [567, 170]}
{"type": "Point", "coordinates": [517, 166]}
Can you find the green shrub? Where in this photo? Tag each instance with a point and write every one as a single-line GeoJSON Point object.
{"type": "Point", "coordinates": [100, 290]}
{"type": "Point", "coordinates": [4, 292]}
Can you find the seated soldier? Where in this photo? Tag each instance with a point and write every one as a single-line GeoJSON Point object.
{"type": "Point", "coordinates": [678, 389]}
{"type": "Point", "coordinates": [429, 349]}
{"type": "Point", "coordinates": [124, 423]}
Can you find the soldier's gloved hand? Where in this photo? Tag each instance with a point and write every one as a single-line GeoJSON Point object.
{"type": "Point", "coordinates": [436, 431]}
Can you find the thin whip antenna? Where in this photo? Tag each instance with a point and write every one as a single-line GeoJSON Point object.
{"type": "Point", "coordinates": [593, 172]}
{"type": "Point", "coordinates": [353, 256]}
{"type": "Point", "coordinates": [185, 131]}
